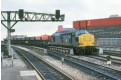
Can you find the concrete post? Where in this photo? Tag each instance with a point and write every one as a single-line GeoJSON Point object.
{"type": "Point", "coordinates": [12, 54]}
{"type": "Point", "coordinates": [2, 55]}
{"type": "Point", "coordinates": [100, 50]}
{"type": "Point", "coordinates": [71, 51]}
{"type": "Point", "coordinates": [45, 51]}
{"type": "Point", "coordinates": [9, 34]}
{"type": "Point", "coordinates": [9, 45]}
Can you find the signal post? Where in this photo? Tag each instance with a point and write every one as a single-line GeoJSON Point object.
{"type": "Point", "coordinates": [21, 16]}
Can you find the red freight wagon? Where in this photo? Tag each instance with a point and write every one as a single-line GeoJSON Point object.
{"type": "Point", "coordinates": [107, 21]}
{"type": "Point", "coordinates": [76, 24]}
{"type": "Point", "coordinates": [83, 24]}
{"type": "Point", "coordinates": [46, 37]}
{"type": "Point", "coordinates": [97, 22]}
{"type": "Point", "coordinates": [38, 38]}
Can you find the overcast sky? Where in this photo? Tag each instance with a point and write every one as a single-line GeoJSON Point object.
{"type": "Point", "coordinates": [73, 10]}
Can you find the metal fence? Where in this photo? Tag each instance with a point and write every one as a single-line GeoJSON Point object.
{"type": "Point", "coordinates": [113, 44]}
{"type": "Point", "coordinates": [109, 42]}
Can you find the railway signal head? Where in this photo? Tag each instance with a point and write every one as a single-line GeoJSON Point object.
{"type": "Point", "coordinates": [62, 17]}
{"type": "Point", "coordinates": [57, 14]}
{"type": "Point", "coordinates": [21, 14]}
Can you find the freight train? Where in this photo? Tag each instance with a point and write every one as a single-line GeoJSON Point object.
{"type": "Point", "coordinates": [78, 38]}
{"type": "Point", "coordinates": [81, 41]}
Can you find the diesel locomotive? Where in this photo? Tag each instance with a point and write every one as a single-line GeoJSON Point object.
{"type": "Point", "coordinates": [81, 41]}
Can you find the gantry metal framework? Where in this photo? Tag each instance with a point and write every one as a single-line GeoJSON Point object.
{"type": "Point", "coordinates": [13, 16]}
{"type": "Point", "coordinates": [29, 17]}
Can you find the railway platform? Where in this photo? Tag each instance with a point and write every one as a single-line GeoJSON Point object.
{"type": "Point", "coordinates": [18, 71]}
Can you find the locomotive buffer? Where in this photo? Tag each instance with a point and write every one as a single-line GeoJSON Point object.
{"type": "Point", "coordinates": [23, 16]}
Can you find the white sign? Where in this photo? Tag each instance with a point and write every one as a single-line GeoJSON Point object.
{"type": "Point", "coordinates": [108, 62]}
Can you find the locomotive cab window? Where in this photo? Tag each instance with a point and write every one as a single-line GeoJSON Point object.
{"type": "Point", "coordinates": [80, 32]}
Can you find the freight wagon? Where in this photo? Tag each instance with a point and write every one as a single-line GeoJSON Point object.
{"type": "Point", "coordinates": [40, 41]}
{"type": "Point", "coordinates": [101, 28]}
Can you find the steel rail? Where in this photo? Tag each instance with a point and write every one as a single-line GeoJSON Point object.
{"type": "Point", "coordinates": [67, 77]}
{"type": "Point", "coordinates": [112, 53]}
{"type": "Point", "coordinates": [93, 68]}
{"type": "Point", "coordinates": [43, 78]}
{"type": "Point", "coordinates": [113, 60]}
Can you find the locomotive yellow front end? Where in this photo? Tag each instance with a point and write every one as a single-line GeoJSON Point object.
{"type": "Point", "coordinates": [86, 40]}
{"type": "Point", "coordinates": [86, 44]}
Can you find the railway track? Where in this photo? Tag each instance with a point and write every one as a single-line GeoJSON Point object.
{"type": "Point", "coordinates": [98, 71]}
{"type": "Point", "coordinates": [118, 54]}
{"type": "Point", "coordinates": [44, 69]}
{"type": "Point", "coordinates": [102, 58]}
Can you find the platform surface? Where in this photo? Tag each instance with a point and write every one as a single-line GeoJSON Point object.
{"type": "Point", "coordinates": [13, 73]}
{"type": "Point", "coordinates": [19, 70]}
